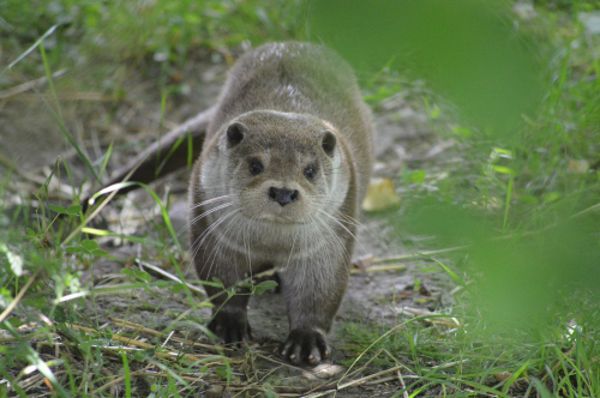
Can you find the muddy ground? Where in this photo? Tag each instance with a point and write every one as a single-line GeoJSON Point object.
{"type": "Point", "coordinates": [407, 137]}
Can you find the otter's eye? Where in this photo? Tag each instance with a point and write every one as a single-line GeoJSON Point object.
{"type": "Point", "coordinates": [255, 166]}
{"type": "Point", "coordinates": [310, 171]}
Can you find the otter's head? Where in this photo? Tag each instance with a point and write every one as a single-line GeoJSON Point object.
{"type": "Point", "coordinates": [281, 168]}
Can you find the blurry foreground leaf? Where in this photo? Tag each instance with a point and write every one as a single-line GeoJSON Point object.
{"type": "Point", "coordinates": [468, 50]}
{"type": "Point", "coordinates": [520, 280]}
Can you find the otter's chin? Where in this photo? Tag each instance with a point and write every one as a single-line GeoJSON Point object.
{"type": "Point", "coordinates": [274, 215]}
{"type": "Point", "coordinates": [279, 219]}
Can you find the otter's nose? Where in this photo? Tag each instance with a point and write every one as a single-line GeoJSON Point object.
{"type": "Point", "coordinates": [283, 196]}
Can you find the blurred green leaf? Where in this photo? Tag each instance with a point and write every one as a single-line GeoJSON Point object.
{"type": "Point", "coordinates": [264, 286]}
{"type": "Point", "coordinates": [137, 274]}
{"type": "Point", "coordinates": [468, 50]}
{"type": "Point", "coordinates": [416, 176]}
{"type": "Point", "coordinates": [503, 170]}
{"type": "Point", "coordinates": [86, 246]}
{"type": "Point", "coordinates": [71, 211]}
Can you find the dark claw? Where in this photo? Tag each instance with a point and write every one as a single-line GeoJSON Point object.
{"type": "Point", "coordinates": [305, 346]}
{"type": "Point", "coordinates": [231, 326]}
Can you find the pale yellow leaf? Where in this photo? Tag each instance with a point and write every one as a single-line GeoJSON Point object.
{"type": "Point", "coordinates": [381, 195]}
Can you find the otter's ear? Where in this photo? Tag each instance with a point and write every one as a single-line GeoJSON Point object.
{"type": "Point", "coordinates": [328, 143]}
{"type": "Point", "coordinates": [235, 134]}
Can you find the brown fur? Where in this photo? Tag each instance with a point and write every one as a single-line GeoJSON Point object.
{"type": "Point", "coordinates": [284, 98]}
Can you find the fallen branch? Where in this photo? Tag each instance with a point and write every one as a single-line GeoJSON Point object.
{"type": "Point", "coordinates": [166, 155]}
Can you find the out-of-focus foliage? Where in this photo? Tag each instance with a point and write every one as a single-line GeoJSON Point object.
{"type": "Point", "coordinates": [165, 30]}
{"type": "Point", "coordinates": [468, 50]}
{"type": "Point", "coordinates": [528, 213]}
{"type": "Point", "coordinates": [527, 241]}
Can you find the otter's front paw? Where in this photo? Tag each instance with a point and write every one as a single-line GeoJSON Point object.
{"type": "Point", "coordinates": [231, 326]}
{"type": "Point", "coordinates": [305, 345]}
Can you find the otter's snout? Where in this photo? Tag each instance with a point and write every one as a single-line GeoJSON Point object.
{"type": "Point", "coordinates": [283, 196]}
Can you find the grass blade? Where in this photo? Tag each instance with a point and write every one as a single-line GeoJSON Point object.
{"type": "Point", "coordinates": [59, 118]}
{"type": "Point", "coordinates": [21, 57]}
{"type": "Point", "coordinates": [105, 160]}
{"type": "Point", "coordinates": [127, 375]}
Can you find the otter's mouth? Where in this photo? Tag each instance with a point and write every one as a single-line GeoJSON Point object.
{"type": "Point", "coordinates": [278, 219]}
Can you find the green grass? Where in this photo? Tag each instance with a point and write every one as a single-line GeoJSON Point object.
{"type": "Point", "coordinates": [526, 210]}
{"type": "Point", "coordinates": [443, 356]}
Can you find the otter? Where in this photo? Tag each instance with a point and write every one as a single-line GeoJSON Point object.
{"type": "Point", "coordinates": [286, 160]}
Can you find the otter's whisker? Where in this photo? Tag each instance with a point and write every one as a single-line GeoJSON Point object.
{"type": "Point", "coordinates": [210, 211]}
{"type": "Point", "coordinates": [207, 201]}
{"type": "Point", "coordinates": [245, 230]}
{"type": "Point", "coordinates": [292, 248]}
{"type": "Point", "coordinates": [199, 241]}
{"type": "Point", "coordinates": [337, 222]}
{"type": "Point", "coordinates": [216, 248]}
{"type": "Point", "coordinates": [336, 239]}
